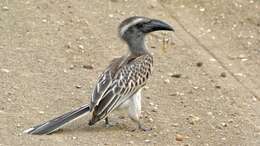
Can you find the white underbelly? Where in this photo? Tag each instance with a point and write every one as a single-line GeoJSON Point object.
{"type": "Point", "coordinates": [125, 105]}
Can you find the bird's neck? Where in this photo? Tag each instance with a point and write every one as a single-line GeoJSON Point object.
{"type": "Point", "coordinates": [137, 46]}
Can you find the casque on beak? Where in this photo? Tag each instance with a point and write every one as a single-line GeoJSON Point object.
{"type": "Point", "coordinates": [155, 25]}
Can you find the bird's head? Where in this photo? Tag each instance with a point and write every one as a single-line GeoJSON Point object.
{"type": "Point", "coordinates": [134, 28]}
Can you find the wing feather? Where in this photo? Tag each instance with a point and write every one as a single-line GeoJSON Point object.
{"type": "Point", "coordinates": [120, 82]}
{"type": "Point", "coordinates": [104, 81]}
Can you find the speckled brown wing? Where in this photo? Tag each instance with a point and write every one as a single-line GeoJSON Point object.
{"type": "Point", "coordinates": [104, 81]}
{"type": "Point", "coordinates": [129, 76]}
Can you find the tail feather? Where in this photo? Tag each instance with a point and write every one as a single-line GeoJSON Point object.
{"type": "Point", "coordinates": [58, 122]}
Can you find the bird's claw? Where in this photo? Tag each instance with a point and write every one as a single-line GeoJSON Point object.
{"type": "Point", "coordinates": [145, 128]}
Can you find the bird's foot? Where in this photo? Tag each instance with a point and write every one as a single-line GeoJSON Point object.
{"type": "Point", "coordinates": [142, 128]}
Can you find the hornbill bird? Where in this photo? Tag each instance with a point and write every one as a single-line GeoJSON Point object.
{"type": "Point", "coordinates": [121, 83]}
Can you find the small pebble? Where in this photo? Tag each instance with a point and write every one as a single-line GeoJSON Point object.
{"type": "Point", "coordinates": [18, 125]}
{"type": "Point", "coordinates": [230, 121]}
{"type": "Point", "coordinates": [176, 75]}
{"type": "Point", "coordinates": [175, 124]}
{"type": "Point", "coordinates": [202, 9]}
{"type": "Point", "coordinates": [78, 86]}
{"type": "Point", "coordinates": [196, 87]}
{"type": "Point", "coordinates": [244, 59]}
{"type": "Point", "coordinates": [147, 141]}
{"type": "Point", "coordinates": [218, 86]}
{"type": "Point", "coordinates": [5, 8]}
{"type": "Point", "coordinates": [180, 93]}
{"type": "Point", "coordinates": [41, 112]}
{"type": "Point", "coordinates": [199, 64]}
{"type": "Point", "coordinates": [239, 74]}
{"type": "Point", "coordinates": [81, 46]}
{"type": "Point", "coordinates": [154, 110]}
{"type": "Point", "coordinates": [212, 59]}
{"type": "Point", "coordinates": [223, 74]}
{"type": "Point", "coordinates": [72, 66]}
{"type": "Point", "coordinates": [167, 81]}
{"type": "Point", "coordinates": [69, 45]}
{"type": "Point", "coordinates": [150, 120]}
{"type": "Point", "coordinates": [111, 15]}
{"type": "Point", "coordinates": [88, 66]}
{"type": "Point", "coordinates": [155, 134]}
{"type": "Point", "coordinates": [74, 137]}
{"type": "Point", "coordinates": [173, 94]}
{"type": "Point", "coordinates": [224, 124]}
{"type": "Point", "coordinates": [148, 97]}
{"type": "Point", "coordinates": [44, 20]}
{"type": "Point", "coordinates": [179, 137]}
{"type": "Point", "coordinates": [251, 1]}
{"type": "Point", "coordinates": [5, 70]}
{"type": "Point", "coordinates": [131, 142]}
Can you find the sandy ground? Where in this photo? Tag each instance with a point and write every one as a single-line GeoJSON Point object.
{"type": "Point", "coordinates": [205, 88]}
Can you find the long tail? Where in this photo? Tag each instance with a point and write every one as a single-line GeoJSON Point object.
{"type": "Point", "coordinates": [58, 122]}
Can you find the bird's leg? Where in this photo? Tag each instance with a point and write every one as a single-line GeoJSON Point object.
{"type": "Point", "coordinates": [106, 119]}
{"type": "Point", "coordinates": [107, 123]}
{"type": "Point", "coordinates": [134, 111]}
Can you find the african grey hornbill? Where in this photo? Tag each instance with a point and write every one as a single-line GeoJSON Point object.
{"type": "Point", "coordinates": [120, 85]}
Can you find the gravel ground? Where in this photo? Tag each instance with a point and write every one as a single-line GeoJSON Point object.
{"type": "Point", "coordinates": [205, 88]}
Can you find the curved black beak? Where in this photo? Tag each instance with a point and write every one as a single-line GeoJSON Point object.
{"type": "Point", "coordinates": [155, 25]}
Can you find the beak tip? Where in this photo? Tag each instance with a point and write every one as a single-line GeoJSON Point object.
{"type": "Point", "coordinates": [165, 26]}
{"type": "Point", "coordinates": [157, 25]}
{"type": "Point", "coordinates": [171, 29]}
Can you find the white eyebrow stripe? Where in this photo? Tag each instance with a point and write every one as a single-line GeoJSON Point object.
{"type": "Point", "coordinates": [124, 28]}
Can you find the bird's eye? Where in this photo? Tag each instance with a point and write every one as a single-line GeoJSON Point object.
{"type": "Point", "coordinates": [140, 25]}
